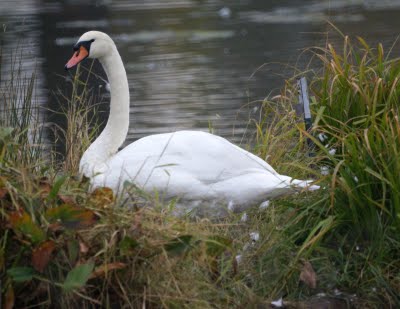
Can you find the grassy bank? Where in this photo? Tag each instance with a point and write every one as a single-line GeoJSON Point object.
{"type": "Point", "coordinates": [63, 247]}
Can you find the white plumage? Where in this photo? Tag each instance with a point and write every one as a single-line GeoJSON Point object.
{"type": "Point", "coordinates": [197, 167]}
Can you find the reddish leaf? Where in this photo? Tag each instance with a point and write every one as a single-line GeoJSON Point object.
{"type": "Point", "coordinates": [71, 217]}
{"type": "Point", "coordinates": [9, 300]}
{"type": "Point", "coordinates": [44, 187]}
{"type": "Point", "coordinates": [2, 258]}
{"type": "Point", "coordinates": [105, 268]}
{"type": "Point", "coordinates": [66, 199]}
{"type": "Point", "coordinates": [308, 275]}
{"type": "Point", "coordinates": [3, 188]}
{"type": "Point", "coordinates": [55, 227]}
{"type": "Point", "coordinates": [44, 179]}
{"type": "Point", "coordinates": [83, 248]}
{"type": "Point", "coordinates": [21, 222]}
{"type": "Point", "coordinates": [42, 254]}
{"type": "Point", "coordinates": [102, 197]}
{"type": "Point", "coordinates": [3, 192]}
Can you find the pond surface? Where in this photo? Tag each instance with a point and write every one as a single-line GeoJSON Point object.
{"type": "Point", "coordinates": [191, 64]}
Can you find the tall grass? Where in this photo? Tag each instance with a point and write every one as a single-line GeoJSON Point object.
{"type": "Point", "coordinates": [358, 109]}
{"type": "Point", "coordinates": [55, 236]}
{"type": "Point", "coordinates": [277, 134]}
{"type": "Point", "coordinates": [82, 124]}
{"type": "Point", "coordinates": [351, 231]}
{"type": "Point", "coordinates": [19, 116]}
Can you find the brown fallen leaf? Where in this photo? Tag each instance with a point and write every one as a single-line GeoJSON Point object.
{"type": "Point", "coordinates": [83, 248]}
{"type": "Point", "coordinates": [66, 199]}
{"type": "Point", "coordinates": [9, 300]}
{"type": "Point", "coordinates": [102, 197]}
{"type": "Point", "coordinates": [40, 289]}
{"type": "Point", "coordinates": [44, 187]}
{"type": "Point", "coordinates": [105, 268]}
{"type": "Point", "coordinates": [41, 255]}
{"type": "Point", "coordinates": [308, 275]}
{"type": "Point", "coordinates": [55, 227]}
{"type": "Point", "coordinates": [21, 222]}
{"type": "Point", "coordinates": [3, 192]}
{"type": "Point", "coordinates": [3, 188]}
{"type": "Point", "coordinates": [71, 217]}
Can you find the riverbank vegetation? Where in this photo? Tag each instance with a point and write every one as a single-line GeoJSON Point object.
{"type": "Point", "coordinates": [63, 247]}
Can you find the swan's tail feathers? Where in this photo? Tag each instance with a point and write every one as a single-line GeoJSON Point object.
{"type": "Point", "coordinates": [304, 184]}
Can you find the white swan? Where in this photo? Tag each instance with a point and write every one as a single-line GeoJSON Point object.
{"type": "Point", "coordinates": [196, 167]}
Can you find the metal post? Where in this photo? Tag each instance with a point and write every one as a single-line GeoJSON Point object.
{"type": "Point", "coordinates": [304, 103]}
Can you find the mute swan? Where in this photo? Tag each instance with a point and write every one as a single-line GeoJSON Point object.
{"type": "Point", "coordinates": [198, 168]}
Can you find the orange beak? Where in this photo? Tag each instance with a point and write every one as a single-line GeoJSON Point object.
{"type": "Point", "coordinates": [78, 56]}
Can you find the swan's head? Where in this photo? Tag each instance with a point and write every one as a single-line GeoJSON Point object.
{"type": "Point", "coordinates": [92, 44]}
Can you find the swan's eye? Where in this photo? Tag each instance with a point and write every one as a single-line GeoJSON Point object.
{"type": "Point", "coordinates": [85, 44]}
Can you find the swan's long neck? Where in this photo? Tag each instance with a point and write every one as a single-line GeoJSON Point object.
{"type": "Point", "coordinates": [114, 134]}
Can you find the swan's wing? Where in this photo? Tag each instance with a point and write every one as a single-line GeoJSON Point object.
{"type": "Point", "coordinates": [207, 157]}
{"type": "Point", "coordinates": [193, 157]}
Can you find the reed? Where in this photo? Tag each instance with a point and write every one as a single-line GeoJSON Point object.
{"type": "Point", "coordinates": [19, 117]}
{"type": "Point", "coordinates": [351, 229]}
{"type": "Point", "coordinates": [80, 108]}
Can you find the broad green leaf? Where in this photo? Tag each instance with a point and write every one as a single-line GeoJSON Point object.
{"type": "Point", "coordinates": [21, 274]}
{"type": "Point", "coordinates": [70, 216]}
{"type": "Point", "coordinates": [78, 277]}
{"type": "Point", "coordinates": [179, 245]}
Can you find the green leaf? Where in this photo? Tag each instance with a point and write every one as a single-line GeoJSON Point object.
{"type": "Point", "coordinates": [377, 175]}
{"type": "Point", "coordinates": [319, 115]}
{"type": "Point", "coordinates": [5, 132]}
{"type": "Point", "coordinates": [21, 274]}
{"type": "Point", "coordinates": [317, 233]}
{"type": "Point", "coordinates": [22, 222]}
{"type": "Point", "coordinates": [71, 217]}
{"type": "Point", "coordinates": [56, 187]}
{"type": "Point", "coordinates": [216, 245]}
{"type": "Point", "coordinates": [127, 244]}
{"type": "Point", "coordinates": [179, 245]}
{"type": "Point", "coordinates": [78, 277]}
{"type": "Point", "coordinates": [73, 250]}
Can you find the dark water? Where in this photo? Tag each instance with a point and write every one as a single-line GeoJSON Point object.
{"type": "Point", "coordinates": [191, 64]}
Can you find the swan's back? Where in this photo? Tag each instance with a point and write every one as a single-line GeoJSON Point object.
{"type": "Point", "coordinates": [211, 158]}
{"type": "Point", "coordinates": [183, 161]}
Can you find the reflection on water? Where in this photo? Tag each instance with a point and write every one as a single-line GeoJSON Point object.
{"type": "Point", "coordinates": [190, 63]}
